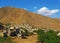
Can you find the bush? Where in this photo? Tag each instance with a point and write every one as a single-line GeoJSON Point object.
{"type": "Point", "coordinates": [26, 32]}
{"type": "Point", "coordinates": [7, 25]}
{"type": "Point", "coordinates": [1, 24]}
{"type": "Point", "coordinates": [58, 39]}
{"type": "Point", "coordinates": [41, 35]}
{"type": "Point", "coordinates": [5, 40]}
{"type": "Point", "coordinates": [48, 37]}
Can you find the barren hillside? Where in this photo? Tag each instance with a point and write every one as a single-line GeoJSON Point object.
{"type": "Point", "coordinates": [57, 19]}
{"type": "Point", "coordinates": [19, 16]}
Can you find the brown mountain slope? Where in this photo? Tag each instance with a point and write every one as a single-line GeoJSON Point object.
{"type": "Point", "coordinates": [57, 19]}
{"type": "Point", "coordinates": [19, 16]}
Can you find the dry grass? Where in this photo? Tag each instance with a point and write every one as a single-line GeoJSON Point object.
{"type": "Point", "coordinates": [19, 16]}
{"type": "Point", "coordinates": [30, 39]}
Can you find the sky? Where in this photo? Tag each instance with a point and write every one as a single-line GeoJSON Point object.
{"type": "Point", "coordinates": [50, 8]}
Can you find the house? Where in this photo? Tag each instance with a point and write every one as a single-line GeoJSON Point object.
{"type": "Point", "coordinates": [58, 34]}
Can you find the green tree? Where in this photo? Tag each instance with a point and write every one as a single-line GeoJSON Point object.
{"type": "Point", "coordinates": [41, 35]}
{"type": "Point", "coordinates": [50, 37]}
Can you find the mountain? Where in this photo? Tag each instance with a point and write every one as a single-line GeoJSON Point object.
{"type": "Point", "coordinates": [57, 19]}
{"type": "Point", "coordinates": [18, 16]}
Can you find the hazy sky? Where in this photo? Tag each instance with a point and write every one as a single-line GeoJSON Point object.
{"type": "Point", "coordinates": [49, 8]}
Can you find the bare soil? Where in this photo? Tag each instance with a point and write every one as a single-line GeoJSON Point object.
{"type": "Point", "coordinates": [30, 39]}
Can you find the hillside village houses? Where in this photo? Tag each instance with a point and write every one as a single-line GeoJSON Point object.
{"type": "Point", "coordinates": [20, 31]}
{"type": "Point", "coordinates": [16, 30]}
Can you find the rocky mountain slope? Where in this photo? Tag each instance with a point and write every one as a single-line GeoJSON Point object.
{"type": "Point", "coordinates": [19, 16]}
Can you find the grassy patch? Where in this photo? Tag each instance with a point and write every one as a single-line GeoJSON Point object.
{"type": "Point", "coordinates": [6, 40]}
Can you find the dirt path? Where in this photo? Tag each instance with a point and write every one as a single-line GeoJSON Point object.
{"type": "Point", "coordinates": [30, 39]}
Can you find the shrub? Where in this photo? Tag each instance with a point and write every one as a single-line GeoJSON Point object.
{"type": "Point", "coordinates": [26, 32]}
{"type": "Point", "coordinates": [5, 40]}
{"type": "Point", "coordinates": [58, 39]}
{"type": "Point", "coordinates": [7, 25]}
{"type": "Point", "coordinates": [48, 37]}
{"type": "Point", "coordinates": [1, 24]}
{"type": "Point", "coordinates": [41, 35]}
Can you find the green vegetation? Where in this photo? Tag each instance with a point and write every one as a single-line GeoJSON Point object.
{"type": "Point", "coordinates": [26, 32]}
{"type": "Point", "coordinates": [41, 34]}
{"type": "Point", "coordinates": [1, 24]}
{"type": "Point", "coordinates": [8, 24]}
{"type": "Point", "coordinates": [48, 36]}
{"type": "Point", "coordinates": [5, 40]}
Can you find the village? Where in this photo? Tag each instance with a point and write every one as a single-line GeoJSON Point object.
{"type": "Point", "coordinates": [20, 31]}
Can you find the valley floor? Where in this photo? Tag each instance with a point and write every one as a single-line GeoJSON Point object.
{"type": "Point", "coordinates": [30, 39]}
